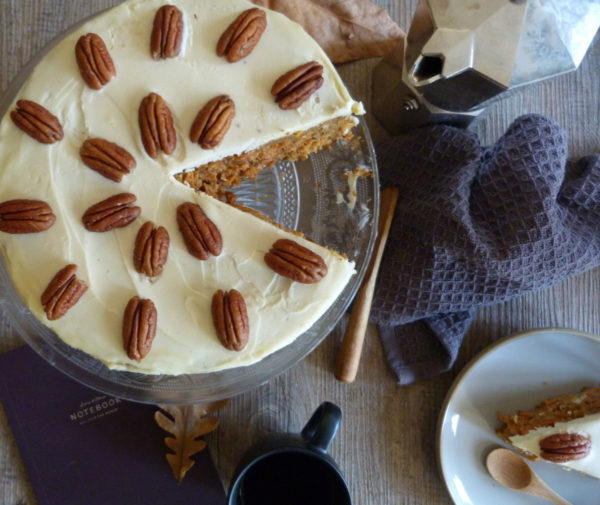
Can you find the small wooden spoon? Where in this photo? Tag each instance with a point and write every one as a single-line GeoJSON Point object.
{"type": "Point", "coordinates": [510, 470]}
{"type": "Point", "coordinates": [348, 356]}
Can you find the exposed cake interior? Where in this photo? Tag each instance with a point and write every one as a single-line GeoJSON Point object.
{"type": "Point", "coordinates": [217, 177]}
{"type": "Point", "coordinates": [279, 309]}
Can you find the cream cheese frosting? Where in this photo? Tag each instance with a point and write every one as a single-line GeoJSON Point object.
{"type": "Point", "coordinates": [279, 310]}
{"type": "Point", "coordinates": [587, 426]}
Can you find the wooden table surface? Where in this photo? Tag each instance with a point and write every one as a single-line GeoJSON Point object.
{"type": "Point", "coordinates": [386, 446]}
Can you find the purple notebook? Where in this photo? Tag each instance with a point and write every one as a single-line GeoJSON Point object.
{"type": "Point", "coordinates": [80, 446]}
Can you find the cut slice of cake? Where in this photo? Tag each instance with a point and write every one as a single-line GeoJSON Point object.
{"type": "Point", "coordinates": [113, 253]}
{"type": "Point", "coordinates": [563, 429]}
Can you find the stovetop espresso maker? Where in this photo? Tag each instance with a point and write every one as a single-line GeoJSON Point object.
{"type": "Point", "coordinates": [460, 56]}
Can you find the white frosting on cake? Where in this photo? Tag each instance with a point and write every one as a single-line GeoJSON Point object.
{"type": "Point", "coordinates": [587, 426]}
{"type": "Point", "coordinates": [279, 310]}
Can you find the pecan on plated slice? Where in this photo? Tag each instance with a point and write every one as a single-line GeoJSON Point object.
{"type": "Point", "coordinates": [295, 87]}
{"type": "Point", "coordinates": [37, 121]}
{"type": "Point", "coordinates": [157, 126]}
{"type": "Point", "coordinates": [139, 327]}
{"type": "Point", "coordinates": [230, 318]}
{"type": "Point", "coordinates": [63, 291]}
{"type": "Point", "coordinates": [242, 35]}
{"type": "Point", "coordinates": [151, 249]}
{"type": "Point", "coordinates": [25, 216]}
{"type": "Point", "coordinates": [167, 33]}
{"type": "Point", "coordinates": [94, 61]}
{"type": "Point", "coordinates": [562, 447]}
{"type": "Point", "coordinates": [213, 122]}
{"type": "Point", "coordinates": [107, 158]}
{"type": "Point", "coordinates": [114, 212]}
{"type": "Point", "coordinates": [200, 234]}
{"type": "Point", "coordinates": [290, 259]}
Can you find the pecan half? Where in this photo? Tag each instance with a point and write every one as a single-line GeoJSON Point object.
{"type": "Point", "coordinates": [94, 61]}
{"type": "Point", "coordinates": [114, 212]}
{"type": "Point", "coordinates": [562, 447]}
{"type": "Point", "coordinates": [296, 86]}
{"type": "Point", "coordinates": [200, 234]}
{"type": "Point", "coordinates": [37, 122]}
{"type": "Point", "coordinates": [139, 327]}
{"type": "Point", "coordinates": [151, 249]}
{"type": "Point", "coordinates": [63, 291]}
{"type": "Point", "coordinates": [107, 158]}
{"type": "Point", "coordinates": [230, 318]}
{"type": "Point", "coordinates": [25, 216]}
{"type": "Point", "coordinates": [290, 259]}
{"type": "Point", "coordinates": [157, 126]}
{"type": "Point", "coordinates": [167, 33]}
{"type": "Point", "coordinates": [213, 122]}
{"type": "Point", "coordinates": [242, 35]}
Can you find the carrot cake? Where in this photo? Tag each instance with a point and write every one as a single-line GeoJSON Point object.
{"type": "Point", "coordinates": [564, 430]}
{"type": "Point", "coordinates": [113, 156]}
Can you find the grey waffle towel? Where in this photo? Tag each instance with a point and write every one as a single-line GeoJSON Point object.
{"type": "Point", "coordinates": [475, 226]}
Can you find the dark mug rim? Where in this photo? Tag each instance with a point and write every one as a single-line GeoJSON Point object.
{"type": "Point", "coordinates": [234, 488]}
{"type": "Point", "coordinates": [312, 441]}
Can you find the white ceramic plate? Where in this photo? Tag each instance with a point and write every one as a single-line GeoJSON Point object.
{"type": "Point", "coordinates": [515, 373]}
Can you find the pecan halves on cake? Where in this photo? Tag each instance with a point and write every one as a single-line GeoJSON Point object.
{"type": "Point", "coordinates": [293, 88]}
{"type": "Point", "coordinates": [107, 158]}
{"type": "Point", "coordinates": [200, 234]}
{"type": "Point", "coordinates": [25, 216]}
{"type": "Point", "coordinates": [242, 35]}
{"type": "Point", "coordinates": [37, 121]}
{"type": "Point", "coordinates": [213, 122]}
{"type": "Point", "coordinates": [116, 211]}
{"type": "Point", "coordinates": [230, 318]}
{"type": "Point", "coordinates": [167, 33]}
{"type": "Point", "coordinates": [63, 291]}
{"type": "Point", "coordinates": [95, 63]}
{"type": "Point", "coordinates": [151, 249]}
{"type": "Point", "coordinates": [139, 327]}
{"type": "Point", "coordinates": [157, 126]}
{"type": "Point", "coordinates": [563, 447]}
{"type": "Point", "coordinates": [290, 259]}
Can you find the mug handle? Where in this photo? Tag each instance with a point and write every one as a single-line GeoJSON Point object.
{"type": "Point", "coordinates": [322, 427]}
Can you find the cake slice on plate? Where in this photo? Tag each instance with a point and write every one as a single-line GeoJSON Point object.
{"type": "Point", "coordinates": [563, 429]}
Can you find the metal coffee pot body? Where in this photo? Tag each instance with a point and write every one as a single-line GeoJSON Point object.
{"type": "Point", "coordinates": [460, 56]}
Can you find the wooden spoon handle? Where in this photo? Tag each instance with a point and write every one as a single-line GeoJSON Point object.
{"type": "Point", "coordinates": [349, 354]}
{"type": "Point", "coordinates": [543, 491]}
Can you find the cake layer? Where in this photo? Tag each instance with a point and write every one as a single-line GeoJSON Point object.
{"type": "Point", "coordinates": [279, 310]}
{"type": "Point", "coordinates": [217, 176]}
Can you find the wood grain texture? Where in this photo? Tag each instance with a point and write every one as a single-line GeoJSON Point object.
{"type": "Point", "coordinates": [386, 444]}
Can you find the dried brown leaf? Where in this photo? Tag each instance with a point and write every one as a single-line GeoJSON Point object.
{"type": "Point", "coordinates": [347, 30]}
{"type": "Point", "coordinates": [186, 424]}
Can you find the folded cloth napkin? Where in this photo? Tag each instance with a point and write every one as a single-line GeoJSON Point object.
{"type": "Point", "coordinates": [477, 225]}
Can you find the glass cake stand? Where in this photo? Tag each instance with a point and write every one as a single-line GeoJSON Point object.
{"type": "Point", "coordinates": [315, 196]}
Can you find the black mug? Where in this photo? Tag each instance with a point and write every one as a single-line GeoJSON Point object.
{"type": "Point", "coordinates": [293, 469]}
